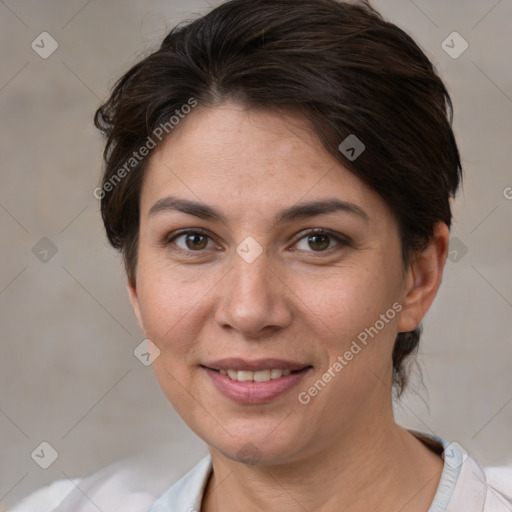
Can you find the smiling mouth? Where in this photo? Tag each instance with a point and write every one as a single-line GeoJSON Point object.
{"type": "Point", "coordinates": [257, 376]}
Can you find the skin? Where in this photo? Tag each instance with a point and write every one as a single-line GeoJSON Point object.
{"type": "Point", "coordinates": [297, 301]}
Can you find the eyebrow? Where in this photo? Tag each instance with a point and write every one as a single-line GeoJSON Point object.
{"type": "Point", "coordinates": [295, 212]}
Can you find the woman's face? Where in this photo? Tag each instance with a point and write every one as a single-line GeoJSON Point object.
{"type": "Point", "coordinates": [253, 286]}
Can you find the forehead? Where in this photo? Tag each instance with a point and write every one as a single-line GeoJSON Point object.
{"type": "Point", "coordinates": [231, 156]}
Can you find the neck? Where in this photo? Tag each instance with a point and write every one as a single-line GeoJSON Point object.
{"type": "Point", "coordinates": [382, 468]}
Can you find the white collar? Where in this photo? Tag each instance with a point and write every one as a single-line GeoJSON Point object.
{"type": "Point", "coordinates": [462, 488]}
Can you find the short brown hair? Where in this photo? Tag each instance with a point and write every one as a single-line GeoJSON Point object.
{"type": "Point", "coordinates": [340, 65]}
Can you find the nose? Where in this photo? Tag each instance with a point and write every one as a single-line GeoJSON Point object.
{"type": "Point", "coordinates": [254, 299]}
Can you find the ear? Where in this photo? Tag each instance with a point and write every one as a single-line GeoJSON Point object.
{"type": "Point", "coordinates": [134, 299]}
{"type": "Point", "coordinates": [424, 278]}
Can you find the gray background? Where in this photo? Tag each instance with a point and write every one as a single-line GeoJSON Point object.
{"type": "Point", "coordinates": [68, 375]}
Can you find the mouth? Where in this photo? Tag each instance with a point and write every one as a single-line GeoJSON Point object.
{"type": "Point", "coordinates": [256, 376]}
{"type": "Point", "coordinates": [251, 382]}
{"type": "Point", "coordinates": [259, 370]}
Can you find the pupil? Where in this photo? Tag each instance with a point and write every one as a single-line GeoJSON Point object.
{"type": "Point", "coordinates": [319, 240]}
{"type": "Point", "coordinates": [196, 241]}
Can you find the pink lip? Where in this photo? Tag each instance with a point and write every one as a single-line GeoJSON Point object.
{"type": "Point", "coordinates": [235, 363]}
{"type": "Point", "coordinates": [254, 392]}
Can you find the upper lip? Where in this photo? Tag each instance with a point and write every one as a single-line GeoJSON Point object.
{"type": "Point", "coordinates": [254, 365]}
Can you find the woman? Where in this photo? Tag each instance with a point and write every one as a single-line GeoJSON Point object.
{"type": "Point", "coordinates": [278, 179]}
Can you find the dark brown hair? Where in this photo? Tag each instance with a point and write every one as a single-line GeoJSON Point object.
{"type": "Point", "coordinates": [340, 65]}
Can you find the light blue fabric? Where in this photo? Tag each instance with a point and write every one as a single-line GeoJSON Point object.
{"type": "Point", "coordinates": [449, 476]}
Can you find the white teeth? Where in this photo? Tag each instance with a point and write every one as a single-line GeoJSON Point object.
{"type": "Point", "coordinates": [262, 376]}
{"type": "Point", "coordinates": [259, 376]}
{"type": "Point", "coordinates": [275, 374]}
{"type": "Point", "coordinates": [245, 376]}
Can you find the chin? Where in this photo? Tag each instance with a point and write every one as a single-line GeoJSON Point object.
{"type": "Point", "coordinates": [255, 448]}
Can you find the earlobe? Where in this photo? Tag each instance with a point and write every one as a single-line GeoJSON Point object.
{"type": "Point", "coordinates": [424, 278]}
{"type": "Point", "coordinates": [134, 300]}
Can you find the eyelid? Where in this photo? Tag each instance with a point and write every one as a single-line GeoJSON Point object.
{"type": "Point", "coordinates": [167, 240]}
{"type": "Point", "coordinates": [340, 239]}
{"type": "Point", "coordinates": [186, 231]}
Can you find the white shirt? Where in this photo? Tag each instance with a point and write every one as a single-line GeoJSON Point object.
{"type": "Point", "coordinates": [464, 487]}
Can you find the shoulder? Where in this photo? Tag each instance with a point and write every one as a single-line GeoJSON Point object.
{"type": "Point", "coordinates": [465, 485]}
{"type": "Point", "coordinates": [500, 477]}
{"type": "Point", "coordinates": [46, 498]}
{"type": "Point", "coordinates": [130, 485]}
{"type": "Point", "coordinates": [482, 489]}
{"type": "Point", "coordinates": [499, 488]}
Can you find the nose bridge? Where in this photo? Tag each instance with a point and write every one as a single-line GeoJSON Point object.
{"type": "Point", "coordinates": [250, 268]}
{"type": "Point", "coordinates": [252, 297]}
{"type": "Point", "coordinates": [249, 281]}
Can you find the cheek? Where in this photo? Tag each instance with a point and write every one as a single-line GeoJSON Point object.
{"type": "Point", "coordinates": [170, 306]}
{"type": "Point", "coordinates": [170, 309]}
{"type": "Point", "coordinates": [346, 302]}
{"type": "Point", "coordinates": [353, 315]}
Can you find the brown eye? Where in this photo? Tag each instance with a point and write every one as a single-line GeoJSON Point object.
{"type": "Point", "coordinates": [190, 241]}
{"type": "Point", "coordinates": [196, 242]}
{"type": "Point", "coordinates": [318, 242]}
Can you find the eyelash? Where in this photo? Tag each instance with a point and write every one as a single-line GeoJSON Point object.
{"type": "Point", "coordinates": [341, 241]}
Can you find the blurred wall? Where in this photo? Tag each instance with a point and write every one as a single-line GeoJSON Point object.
{"type": "Point", "coordinates": [68, 375]}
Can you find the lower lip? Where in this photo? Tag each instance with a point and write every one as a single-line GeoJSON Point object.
{"type": "Point", "coordinates": [254, 392]}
